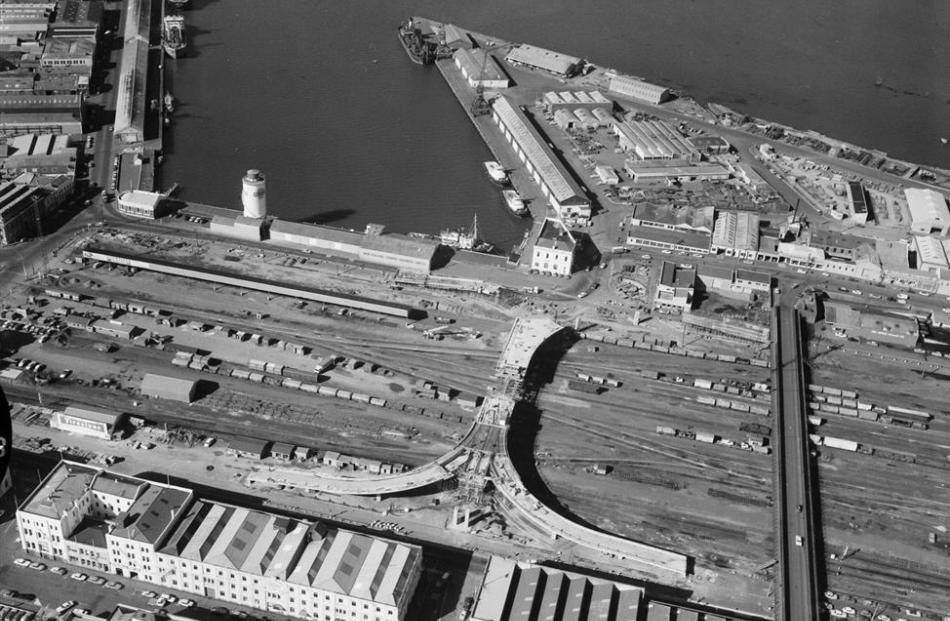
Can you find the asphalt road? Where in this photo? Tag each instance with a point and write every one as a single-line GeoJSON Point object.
{"type": "Point", "coordinates": [798, 537]}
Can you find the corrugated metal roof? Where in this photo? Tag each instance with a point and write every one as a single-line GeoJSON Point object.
{"type": "Point", "coordinates": [167, 386]}
{"type": "Point", "coordinates": [532, 56]}
{"type": "Point", "coordinates": [108, 418]}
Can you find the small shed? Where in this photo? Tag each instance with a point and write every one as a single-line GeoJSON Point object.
{"type": "Point", "coordinates": [251, 448]}
{"type": "Point", "coordinates": [282, 450]}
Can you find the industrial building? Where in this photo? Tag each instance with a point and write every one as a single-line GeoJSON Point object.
{"type": "Point", "coordinates": [130, 101]}
{"type": "Point", "coordinates": [858, 202]}
{"type": "Point", "coordinates": [747, 175]}
{"type": "Point", "coordinates": [564, 194]}
{"type": "Point", "coordinates": [736, 234]}
{"type": "Point", "coordinates": [139, 204]}
{"type": "Point", "coordinates": [674, 240]}
{"type": "Point", "coordinates": [19, 212]}
{"type": "Point", "coordinates": [373, 245]}
{"type": "Point", "coordinates": [714, 145]}
{"type": "Point", "coordinates": [666, 216]}
{"type": "Point", "coordinates": [513, 591]}
{"type": "Point", "coordinates": [654, 140]}
{"type": "Point", "coordinates": [94, 423]}
{"type": "Point", "coordinates": [171, 388]}
{"type": "Point", "coordinates": [164, 535]}
{"type": "Point", "coordinates": [872, 326]}
{"type": "Point", "coordinates": [72, 53]}
{"type": "Point", "coordinates": [660, 171]}
{"type": "Point", "coordinates": [479, 71]}
{"type": "Point", "coordinates": [555, 63]}
{"type": "Point", "coordinates": [628, 86]}
{"type": "Point", "coordinates": [929, 214]}
{"type": "Point", "coordinates": [554, 249]}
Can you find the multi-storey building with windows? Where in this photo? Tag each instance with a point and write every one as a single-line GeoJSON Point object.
{"type": "Point", "coordinates": [162, 534]}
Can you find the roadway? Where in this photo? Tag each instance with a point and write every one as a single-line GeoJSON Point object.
{"type": "Point", "coordinates": [798, 537]}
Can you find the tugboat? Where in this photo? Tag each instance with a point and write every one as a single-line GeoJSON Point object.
{"type": "Point", "coordinates": [514, 202]}
{"type": "Point", "coordinates": [169, 103]}
{"type": "Point", "coordinates": [173, 35]}
{"type": "Point", "coordinates": [419, 50]}
{"type": "Point", "coordinates": [496, 172]}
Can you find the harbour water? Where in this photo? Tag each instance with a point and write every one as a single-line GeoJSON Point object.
{"type": "Point", "coordinates": [320, 95]}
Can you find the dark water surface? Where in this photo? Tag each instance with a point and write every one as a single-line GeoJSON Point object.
{"type": "Point", "coordinates": [321, 96]}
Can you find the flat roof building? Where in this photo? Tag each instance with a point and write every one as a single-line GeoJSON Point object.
{"type": "Point", "coordinates": [40, 113]}
{"type": "Point", "coordinates": [239, 227]}
{"type": "Point", "coordinates": [19, 213]}
{"type": "Point", "coordinates": [130, 101]}
{"type": "Point", "coordinates": [931, 256]}
{"type": "Point", "coordinates": [537, 58]}
{"type": "Point", "coordinates": [572, 100]}
{"type": "Point", "coordinates": [171, 388]}
{"type": "Point", "coordinates": [251, 448]}
{"type": "Point", "coordinates": [558, 186]}
{"type": "Point", "coordinates": [673, 239]}
{"type": "Point", "coordinates": [629, 86]}
{"type": "Point", "coordinates": [929, 214]}
{"type": "Point", "coordinates": [858, 202]}
{"type": "Point", "coordinates": [139, 204]}
{"type": "Point", "coordinates": [674, 289]}
{"type": "Point", "coordinates": [873, 326]}
{"type": "Point", "coordinates": [163, 535]}
{"type": "Point", "coordinates": [86, 422]}
{"type": "Point", "coordinates": [659, 170]}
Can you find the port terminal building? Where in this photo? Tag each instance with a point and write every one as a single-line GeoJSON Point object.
{"type": "Point", "coordinates": [654, 140]}
{"type": "Point", "coordinates": [139, 204]}
{"type": "Point", "coordinates": [554, 249]}
{"type": "Point", "coordinates": [165, 535]}
{"type": "Point", "coordinates": [557, 185]}
{"type": "Point", "coordinates": [130, 100]}
{"type": "Point", "coordinates": [82, 421]}
{"type": "Point", "coordinates": [736, 234]}
{"type": "Point", "coordinates": [548, 61]}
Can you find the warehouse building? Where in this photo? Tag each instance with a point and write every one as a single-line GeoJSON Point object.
{"type": "Point", "coordinates": [674, 240]}
{"type": "Point", "coordinates": [552, 101]}
{"type": "Point", "coordinates": [858, 202]}
{"type": "Point", "coordinates": [45, 154]}
{"type": "Point", "coordinates": [733, 283]}
{"type": "Point", "coordinates": [564, 194]}
{"type": "Point", "coordinates": [931, 256]}
{"type": "Point", "coordinates": [479, 71]}
{"type": "Point", "coordinates": [736, 234]}
{"type": "Point", "coordinates": [70, 53]}
{"type": "Point", "coordinates": [628, 86]}
{"type": "Point", "coordinates": [654, 140]}
{"type": "Point", "coordinates": [514, 591]}
{"type": "Point", "coordinates": [539, 59]}
{"type": "Point", "coordinates": [929, 214]}
{"type": "Point", "coordinates": [139, 204]}
{"type": "Point", "coordinates": [94, 423]}
{"type": "Point", "coordinates": [163, 535]}
{"type": "Point", "coordinates": [40, 113]}
{"type": "Point", "coordinates": [554, 249]}
{"type": "Point", "coordinates": [713, 145]}
{"type": "Point", "coordinates": [675, 287]}
{"type": "Point", "coordinates": [171, 388]}
{"type": "Point", "coordinates": [373, 245]}
{"type": "Point", "coordinates": [130, 101]}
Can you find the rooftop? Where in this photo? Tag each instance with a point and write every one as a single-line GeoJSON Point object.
{"type": "Point", "coordinates": [552, 235]}
{"type": "Point", "coordinates": [926, 205]}
{"type": "Point", "coordinates": [98, 416]}
{"type": "Point", "coordinates": [385, 242]}
{"type": "Point", "coordinates": [555, 62]}
{"type": "Point", "coordinates": [673, 275]}
{"type": "Point", "coordinates": [152, 513]}
{"type": "Point", "coordinates": [60, 490]}
{"type": "Point", "coordinates": [678, 237]}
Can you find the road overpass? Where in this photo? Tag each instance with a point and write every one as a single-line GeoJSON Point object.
{"type": "Point", "coordinates": [798, 535]}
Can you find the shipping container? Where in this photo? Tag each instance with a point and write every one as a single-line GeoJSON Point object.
{"type": "Point", "coordinates": [289, 382]}
{"type": "Point", "coordinates": [834, 400]}
{"type": "Point", "coordinates": [726, 358]}
{"type": "Point", "coordinates": [703, 383]}
{"type": "Point", "coordinates": [848, 412]}
{"type": "Point", "coordinates": [867, 415]}
{"type": "Point", "coordinates": [706, 400]}
{"type": "Point", "coordinates": [241, 374]}
{"type": "Point", "coordinates": [849, 394]}
{"type": "Point", "coordinates": [344, 394]}
{"type": "Point", "coordinates": [832, 391]}
{"type": "Point", "coordinates": [849, 403]}
{"type": "Point", "coordinates": [309, 387]}
{"type": "Point", "coordinates": [378, 401]}
{"type": "Point", "coordinates": [665, 431]}
{"type": "Point", "coordinates": [762, 410]}
{"type": "Point", "coordinates": [326, 391]}
{"type": "Point", "coordinates": [864, 406]}
{"type": "Point", "coordinates": [705, 436]}
{"type": "Point", "coordinates": [357, 396]}
{"type": "Point", "coordinates": [723, 403]}
{"type": "Point", "coordinates": [739, 406]}
{"type": "Point", "coordinates": [256, 377]}
{"type": "Point", "coordinates": [257, 365]}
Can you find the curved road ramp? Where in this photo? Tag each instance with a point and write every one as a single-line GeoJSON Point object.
{"type": "Point", "coordinates": [526, 336]}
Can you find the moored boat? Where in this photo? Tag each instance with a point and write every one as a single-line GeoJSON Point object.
{"type": "Point", "coordinates": [419, 50]}
{"type": "Point", "coordinates": [173, 35]}
{"type": "Point", "coordinates": [514, 202]}
{"type": "Point", "coordinates": [496, 172]}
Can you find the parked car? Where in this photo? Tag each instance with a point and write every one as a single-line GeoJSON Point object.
{"type": "Point", "coordinates": [97, 580]}
{"type": "Point", "coordinates": [59, 571]}
{"type": "Point", "coordinates": [187, 603]}
{"type": "Point", "coordinates": [21, 562]}
{"type": "Point", "coordinates": [116, 586]}
{"type": "Point", "coordinates": [82, 611]}
{"type": "Point", "coordinates": [78, 576]}
{"type": "Point", "coordinates": [65, 606]}
{"type": "Point", "coordinates": [38, 566]}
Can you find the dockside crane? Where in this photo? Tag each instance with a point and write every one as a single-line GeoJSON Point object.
{"type": "Point", "coordinates": [480, 105]}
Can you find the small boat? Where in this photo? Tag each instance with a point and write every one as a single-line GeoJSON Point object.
{"type": "Point", "coordinates": [943, 141]}
{"type": "Point", "coordinates": [169, 103]}
{"type": "Point", "coordinates": [496, 172]}
{"type": "Point", "coordinates": [173, 35]}
{"type": "Point", "coordinates": [514, 202]}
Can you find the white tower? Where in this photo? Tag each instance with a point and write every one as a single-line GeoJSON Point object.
{"type": "Point", "coordinates": [253, 196]}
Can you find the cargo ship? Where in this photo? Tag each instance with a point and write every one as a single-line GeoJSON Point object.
{"type": "Point", "coordinates": [420, 50]}
{"type": "Point", "coordinates": [496, 173]}
{"type": "Point", "coordinates": [173, 35]}
{"type": "Point", "coordinates": [515, 203]}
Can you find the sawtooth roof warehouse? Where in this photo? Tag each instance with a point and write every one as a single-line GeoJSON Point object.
{"type": "Point", "coordinates": [164, 535]}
